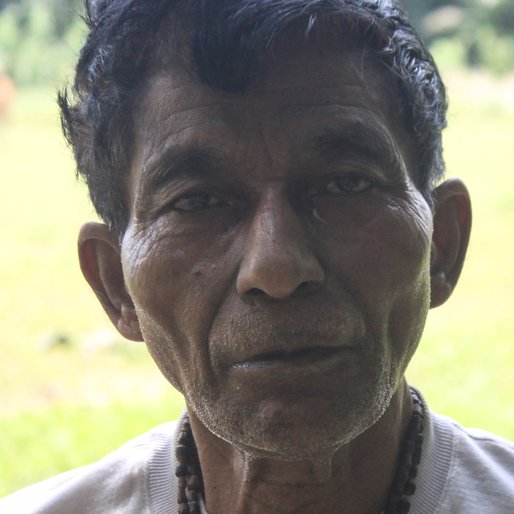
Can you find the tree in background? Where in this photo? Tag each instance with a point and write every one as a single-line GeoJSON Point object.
{"type": "Point", "coordinates": [39, 39]}
{"type": "Point", "coordinates": [475, 33]}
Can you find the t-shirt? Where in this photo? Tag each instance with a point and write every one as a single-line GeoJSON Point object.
{"type": "Point", "coordinates": [461, 472]}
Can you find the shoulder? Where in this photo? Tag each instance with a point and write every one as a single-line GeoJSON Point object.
{"type": "Point", "coordinates": [464, 470]}
{"type": "Point", "coordinates": [481, 462]}
{"type": "Point", "coordinates": [118, 483]}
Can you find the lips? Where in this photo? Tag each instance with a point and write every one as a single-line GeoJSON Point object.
{"type": "Point", "coordinates": [299, 357]}
{"type": "Point", "coordinates": [280, 335]}
{"type": "Point", "coordinates": [288, 363]}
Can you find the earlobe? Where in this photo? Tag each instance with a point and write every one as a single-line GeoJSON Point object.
{"type": "Point", "coordinates": [452, 226]}
{"type": "Point", "coordinates": [100, 262]}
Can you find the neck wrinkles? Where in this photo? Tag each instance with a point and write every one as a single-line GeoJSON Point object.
{"type": "Point", "coordinates": [357, 475]}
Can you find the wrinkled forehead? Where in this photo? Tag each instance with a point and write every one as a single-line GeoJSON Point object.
{"type": "Point", "coordinates": [304, 91]}
{"type": "Point", "coordinates": [295, 73]}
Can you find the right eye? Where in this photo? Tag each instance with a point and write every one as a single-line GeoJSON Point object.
{"type": "Point", "coordinates": [344, 185]}
{"type": "Point", "coordinates": [198, 201]}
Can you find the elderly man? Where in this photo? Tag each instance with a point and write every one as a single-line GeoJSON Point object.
{"type": "Point", "coordinates": [275, 231]}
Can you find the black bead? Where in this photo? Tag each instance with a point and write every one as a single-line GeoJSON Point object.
{"type": "Point", "coordinates": [416, 456]}
{"type": "Point", "coordinates": [183, 508]}
{"type": "Point", "coordinates": [193, 484]}
{"type": "Point", "coordinates": [410, 488]}
{"type": "Point", "coordinates": [182, 453]}
{"type": "Point", "coordinates": [181, 470]}
{"type": "Point", "coordinates": [403, 507]}
{"type": "Point", "coordinates": [194, 508]}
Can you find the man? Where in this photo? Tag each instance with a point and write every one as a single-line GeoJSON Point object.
{"type": "Point", "coordinates": [275, 231]}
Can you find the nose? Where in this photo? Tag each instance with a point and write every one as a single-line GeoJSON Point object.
{"type": "Point", "coordinates": [277, 260]}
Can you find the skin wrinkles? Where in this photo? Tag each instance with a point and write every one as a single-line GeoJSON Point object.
{"type": "Point", "coordinates": [228, 287]}
{"type": "Point", "coordinates": [371, 128]}
{"type": "Point", "coordinates": [178, 161]}
{"type": "Point", "coordinates": [260, 324]}
{"type": "Point", "coordinates": [279, 260]}
{"type": "Point", "coordinates": [259, 474]}
{"type": "Point", "coordinates": [178, 94]}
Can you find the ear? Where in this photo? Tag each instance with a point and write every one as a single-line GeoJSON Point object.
{"type": "Point", "coordinates": [100, 261]}
{"type": "Point", "coordinates": [452, 226]}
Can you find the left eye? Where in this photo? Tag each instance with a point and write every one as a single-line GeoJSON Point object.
{"type": "Point", "coordinates": [198, 201]}
{"type": "Point", "coordinates": [347, 185]}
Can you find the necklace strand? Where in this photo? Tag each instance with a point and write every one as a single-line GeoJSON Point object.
{"type": "Point", "coordinates": [190, 485]}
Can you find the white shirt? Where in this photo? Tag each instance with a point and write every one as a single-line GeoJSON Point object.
{"type": "Point", "coordinates": [461, 472]}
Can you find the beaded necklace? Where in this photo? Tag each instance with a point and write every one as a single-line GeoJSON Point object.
{"type": "Point", "coordinates": [190, 485]}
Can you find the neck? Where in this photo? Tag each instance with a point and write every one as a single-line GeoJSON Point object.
{"type": "Point", "coordinates": [356, 477]}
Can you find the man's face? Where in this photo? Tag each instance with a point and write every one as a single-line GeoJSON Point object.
{"type": "Point", "coordinates": [278, 250]}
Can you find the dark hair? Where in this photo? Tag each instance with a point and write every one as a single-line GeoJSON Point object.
{"type": "Point", "coordinates": [224, 41]}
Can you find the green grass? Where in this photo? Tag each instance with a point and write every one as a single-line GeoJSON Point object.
{"type": "Point", "coordinates": [466, 357]}
{"type": "Point", "coordinates": [66, 436]}
{"type": "Point", "coordinates": [65, 406]}
{"type": "Point", "coordinates": [70, 405]}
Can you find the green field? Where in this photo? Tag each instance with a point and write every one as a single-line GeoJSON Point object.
{"type": "Point", "coordinates": [70, 404]}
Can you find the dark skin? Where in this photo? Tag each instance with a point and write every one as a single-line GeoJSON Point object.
{"type": "Point", "coordinates": [279, 263]}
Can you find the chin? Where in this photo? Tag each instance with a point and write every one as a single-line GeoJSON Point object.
{"type": "Point", "coordinates": [301, 428]}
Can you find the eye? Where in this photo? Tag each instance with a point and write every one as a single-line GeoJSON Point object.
{"type": "Point", "coordinates": [342, 185]}
{"type": "Point", "coordinates": [198, 201]}
{"type": "Point", "coordinates": [350, 184]}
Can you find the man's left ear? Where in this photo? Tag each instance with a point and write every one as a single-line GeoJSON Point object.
{"type": "Point", "coordinates": [452, 226]}
{"type": "Point", "coordinates": [100, 261]}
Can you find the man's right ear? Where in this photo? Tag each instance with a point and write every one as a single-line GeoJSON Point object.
{"type": "Point", "coordinates": [100, 262]}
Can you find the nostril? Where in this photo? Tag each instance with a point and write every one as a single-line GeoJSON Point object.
{"type": "Point", "coordinates": [308, 285]}
{"type": "Point", "coordinates": [304, 288]}
{"type": "Point", "coordinates": [254, 295]}
{"type": "Point", "coordinates": [255, 291]}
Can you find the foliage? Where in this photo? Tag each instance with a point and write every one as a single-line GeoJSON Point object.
{"type": "Point", "coordinates": [481, 32]}
{"type": "Point", "coordinates": [40, 39]}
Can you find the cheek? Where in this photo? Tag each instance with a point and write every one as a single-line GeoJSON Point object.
{"type": "Point", "coordinates": [167, 279]}
{"type": "Point", "coordinates": [154, 287]}
{"type": "Point", "coordinates": [400, 252]}
{"type": "Point", "coordinates": [403, 282]}
{"type": "Point", "coordinates": [165, 273]}
{"type": "Point", "coordinates": [384, 262]}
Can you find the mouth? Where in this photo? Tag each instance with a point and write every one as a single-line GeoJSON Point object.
{"type": "Point", "coordinates": [309, 358]}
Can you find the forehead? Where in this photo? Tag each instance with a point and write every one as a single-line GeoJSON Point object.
{"type": "Point", "coordinates": [300, 92]}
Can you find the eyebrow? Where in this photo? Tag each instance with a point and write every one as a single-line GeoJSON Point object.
{"type": "Point", "coordinates": [176, 163]}
{"type": "Point", "coordinates": [357, 139]}
{"type": "Point", "coordinates": [347, 139]}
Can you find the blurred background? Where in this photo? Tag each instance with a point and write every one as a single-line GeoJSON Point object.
{"type": "Point", "coordinates": [71, 389]}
